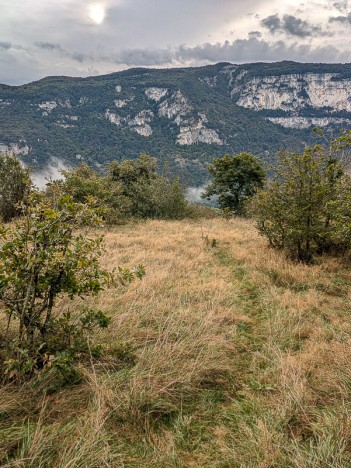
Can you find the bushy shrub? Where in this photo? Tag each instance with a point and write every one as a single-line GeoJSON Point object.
{"type": "Point", "coordinates": [129, 189]}
{"type": "Point", "coordinates": [44, 255]}
{"type": "Point", "coordinates": [306, 206]}
{"type": "Point", "coordinates": [83, 181]}
{"type": "Point", "coordinates": [14, 186]}
{"type": "Point", "coordinates": [150, 195]}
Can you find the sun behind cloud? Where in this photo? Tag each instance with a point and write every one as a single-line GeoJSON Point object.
{"type": "Point", "coordinates": [97, 13]}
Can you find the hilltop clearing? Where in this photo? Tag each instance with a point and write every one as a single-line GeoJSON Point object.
{"type": "Point", "coordinates": [225, 354]}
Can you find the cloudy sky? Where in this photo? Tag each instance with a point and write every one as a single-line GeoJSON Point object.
{"type": "Point", "coordinates": [82, 37]}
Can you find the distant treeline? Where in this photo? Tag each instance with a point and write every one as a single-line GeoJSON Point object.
{"type": "Point", "coordinates": [303, 207]}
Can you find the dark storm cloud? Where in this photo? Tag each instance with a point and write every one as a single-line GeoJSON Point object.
{"type": "Point", "coordinates": [49, 46]}
{"type": "Point", "coordinates": [341, 19]}
{"type": "Point", "coordinates": [57, 48]}
{"type": "Point", "coordinates": [253, 49]}
{"type": "Point", "coordinates": [273, 23]}
{"type": "Point", "coordinates": [293, 26]}
{"type": "Point", "coordinates": [256, 34]}
{"type": "Point", "coordinates": [5, 45]}
{"type": "Point", "coordinates": [238, 51]}
{"type": "Point", "coordinates": [341, 6]}
{"type": "Point", "coordinates": [298, 27]}
{"type": "Point", "coordinates": [80, 57]}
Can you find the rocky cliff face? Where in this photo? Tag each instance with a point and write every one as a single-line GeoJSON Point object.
{"type": "Point", "coordinates": [299, 96]}
{"type": "Point", "coordinates": [174, 107]}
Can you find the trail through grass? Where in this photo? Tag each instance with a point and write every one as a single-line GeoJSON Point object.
{"type": "Point", "coordinates": [225, 355]}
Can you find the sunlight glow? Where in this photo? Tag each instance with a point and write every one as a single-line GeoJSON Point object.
{"type": "Point", "coordinates": [97, 13]}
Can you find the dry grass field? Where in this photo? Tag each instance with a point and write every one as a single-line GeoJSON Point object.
{"type": "Point", "coordinates": [225, 355]}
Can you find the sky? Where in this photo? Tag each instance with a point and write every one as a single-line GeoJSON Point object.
{"type": "Point", "coordinates": [41, 38]}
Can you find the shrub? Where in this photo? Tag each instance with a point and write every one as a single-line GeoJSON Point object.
{"type": "Point", "coordinates": [44, 256]}
{"type": "Point", "coordinates": [129, 189]}
{"type": "Point", "coordinates": [82, 182]}
{"type": "Point", "coordinates": [14, 186]}
{"type": "Point", "coordinates": [305, 207]}
{"type": "Point", "coordinates": [150, 195]}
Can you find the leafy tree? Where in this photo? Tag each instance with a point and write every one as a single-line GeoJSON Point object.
{"type": "Point", "coordinates": [163, 199]}
{"type": "Point", "coordinates": [82, 182]}
{"type": "Point", "coordinates": [46, 255]}
{"type": "Point", "coordinates": [134, 179]}
{"type": "Point", "coordinates": [305, 207]}
{"type": "Point", "coordinates": [150, 195]}
{"type": "Point", "coordinates": [339, 216]}
{"type": "Point", "coordinates": [235, 179]}
{"type": "Point", "coordinates": [129, 189]}
{"type": "Point", "coordinates": [14, 186]}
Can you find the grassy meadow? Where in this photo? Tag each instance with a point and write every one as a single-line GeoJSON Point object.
{"type": "Point", "coordinates": [225, 354]}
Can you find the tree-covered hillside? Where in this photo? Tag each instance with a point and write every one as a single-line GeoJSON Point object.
{"type": "Point", "coordinates": [184, 117]}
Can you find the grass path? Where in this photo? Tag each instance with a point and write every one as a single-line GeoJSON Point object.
{"type": "Point", "coordinates": [224, 355]}
{"type": "Point", "coordinates": [294, 405]}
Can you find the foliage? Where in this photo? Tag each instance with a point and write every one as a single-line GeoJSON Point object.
{"type": "Point", "coordinates": [305, 207]}
{"type": "Point", "coordinates": [150, 195]}
{"type": "Point", "coordinates": [70, 337]}
{"type": "Point", "coordinates": [14, 186]}
{"type": "Point", "coordinates": [129, 189]}
{"type": "Point", "coordinates": [235, 179]}
{"type": "Point", "coordinates": [46, 255]}
{"type": "Point", "coordinates": [82, 182]}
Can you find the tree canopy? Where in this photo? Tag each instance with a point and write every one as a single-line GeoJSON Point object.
{"type": "Point", "coordinates": [235, 179]}
{"type": "Point", "coordinates": [14, 185]}
{"type": "Point", "coordinates": [305, 207]}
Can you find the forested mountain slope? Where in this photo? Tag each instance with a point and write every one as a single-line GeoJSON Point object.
{"type": "Point", "coordinates": [184, 117]}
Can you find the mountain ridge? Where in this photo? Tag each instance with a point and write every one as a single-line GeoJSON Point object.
{"type": "Point", "coordinates": [183, 116]}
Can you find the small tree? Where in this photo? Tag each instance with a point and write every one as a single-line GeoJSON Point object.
{"type": "Point", "coordinates": [235, 179]}
{"type": "Point", "coordinates": [150, 195]}
{"type": "Point", "coordinates": [305, 206]}
{"type": "Point", "coordinates": [83, 181]}
{"type": "Point", "coordinates": [42, 257]}
{"type": "Point", "coordinates": [14, 186]}
{"type": "Point", "coordinates": [167, 199]}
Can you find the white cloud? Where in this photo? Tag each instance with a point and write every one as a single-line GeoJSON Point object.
{"type": "Point", "coordinates": [54, 38]}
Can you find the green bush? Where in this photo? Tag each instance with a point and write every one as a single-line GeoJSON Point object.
{"type": "Point", "coordinates": [14, 187]}
{"type": "Point", "coordinates": [82, 182]}
{"type": "Point", "coordinates": [305, 208]}
{"type": "Point", "coordinates": [150, 195]}
{"type": "Point", "coordinates": [129, 189]}
{"type": "Point", "coordinates": [235, 180]}
{"type": "Point", "coordinates": [44, 255]}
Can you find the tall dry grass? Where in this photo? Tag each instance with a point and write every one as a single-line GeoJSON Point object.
{"type": "Point", "coordinates": [225, 354]}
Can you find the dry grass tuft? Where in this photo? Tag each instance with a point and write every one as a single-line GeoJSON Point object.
{"type": "Point", "coordinates": [225, 354]}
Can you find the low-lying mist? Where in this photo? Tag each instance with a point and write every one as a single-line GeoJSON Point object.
{"type": "Point", "coordinates": [193, 195]}
{"type": "Point", "coordinates": [52, 171]}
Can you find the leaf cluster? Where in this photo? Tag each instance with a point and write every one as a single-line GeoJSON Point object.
{"type": "Point", "coordinates": [49, 253]}
{"type": "Point", "coordinates": [234, 180]}
{"type": "Point", "coordinates": [14, 186]}
{"type": "Point", "coordinates": [305, 208]}
{"type": "Point", "coordinates": [128, 189]}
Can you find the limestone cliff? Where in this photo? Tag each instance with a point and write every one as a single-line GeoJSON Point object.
{"type": "Point", "coordinates": [299, 96]}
